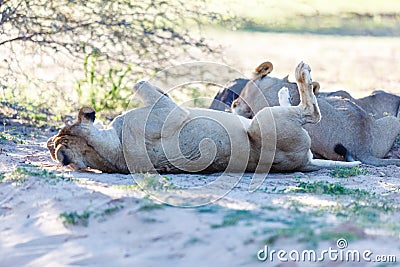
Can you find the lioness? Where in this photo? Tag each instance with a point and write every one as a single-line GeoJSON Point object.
{"type": "Point", "coordinates": [347, 131]}
{"type": "Point", "coordinates": [163, 137]}
{"type": "Point", "coordinates": [379, 104]}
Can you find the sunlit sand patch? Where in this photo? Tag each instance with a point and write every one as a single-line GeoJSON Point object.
{"type": "Point", "coordinates": [307, 200]}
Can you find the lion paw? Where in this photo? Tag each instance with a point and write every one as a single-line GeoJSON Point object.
{"type": "Point", "coordinates": [303, 73]}
{"type": "Point", "coordinates": [139, 85]}
{"type": "Point", "coordinates": [285, 100]}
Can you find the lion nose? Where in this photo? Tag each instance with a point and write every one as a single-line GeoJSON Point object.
{"type": "Point", "coordinates": [63, 158]}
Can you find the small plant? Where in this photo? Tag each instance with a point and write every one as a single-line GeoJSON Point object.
{"type": "Point", "coordinates": [151, 206]}
{"type": "Point", "coordinates": [270, 208]}
{"type": "Point", "coordinates": [126, 187]}
{"type": "Point", "coordinates": [112, 210]}
{"type": "Point", "coordinates": [52, 177]}
{"type": "Point", "coordinates": [155, 183]}
{"type": "Point", "coordinates": [305, 233]}
{"type": "Point", "coordinates": [340, 172]}
{"type": "Point", "coordinates": [192, 241]}
{"type": "Point", "coordinates": [7, 136]}
{"type": "Point", "coordinates": [211, 208]}
{"type": "Point", "coordinates": [149, 182]}
{"type": "Point", "coordinates": [75, 218]}
{"type": "Point", "coordinates": [19, 175]}
{"type": "Point", "coordinates": [233, 217]}
{"type": "Point", "coordinates": [106, 212]}
{"type": "Point", "coordinates": [324, 187]}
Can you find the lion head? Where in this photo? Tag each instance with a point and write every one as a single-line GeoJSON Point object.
{"type": "Point", "coordinates": [73, 145]}
{"type": "Point", "coordinates": [262, 91]}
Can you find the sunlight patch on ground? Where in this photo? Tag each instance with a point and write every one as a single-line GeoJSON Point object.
{"type": "Point", "coordinates": [313, 201]}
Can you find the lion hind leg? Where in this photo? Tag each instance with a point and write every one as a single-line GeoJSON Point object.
{"type": "Point", "coordinates": [308, 101]}
{"type": "Point", "coordinates": [317, 164]}
{"type": "Point", "coordinates": [332, 163]}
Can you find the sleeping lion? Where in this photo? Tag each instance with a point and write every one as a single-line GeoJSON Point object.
{"type": "Point", "coordinates": [166, 138]}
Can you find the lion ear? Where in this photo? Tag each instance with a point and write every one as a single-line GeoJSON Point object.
{"type": "Point", "coordinates": [264, 69]}
{"type": "Point", "coordinates": [286, 78]}
{"type": "Point", "coordinates": [86, 115]}
{"type": "Point", "coordinates": [315, 87]}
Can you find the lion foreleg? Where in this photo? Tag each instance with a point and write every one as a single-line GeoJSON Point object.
{"type": "Point", "coordinates": [152, 95]}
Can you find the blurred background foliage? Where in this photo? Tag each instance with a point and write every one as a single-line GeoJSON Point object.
{"type": "Point", "coordinates": [343, 17]}
{"type": "Point", "coordinates": [105, 45]}
{"type": "Point", "coordinates": [59, 54]}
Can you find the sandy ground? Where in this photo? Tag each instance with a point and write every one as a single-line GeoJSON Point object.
{"type": "Point", "coordinates": [116, 223]}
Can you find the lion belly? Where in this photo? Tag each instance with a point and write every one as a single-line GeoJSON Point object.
{"type": "Point", "coordinates": [199, 146]}
{"type": "Point", "coordinates": [207, 141]}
